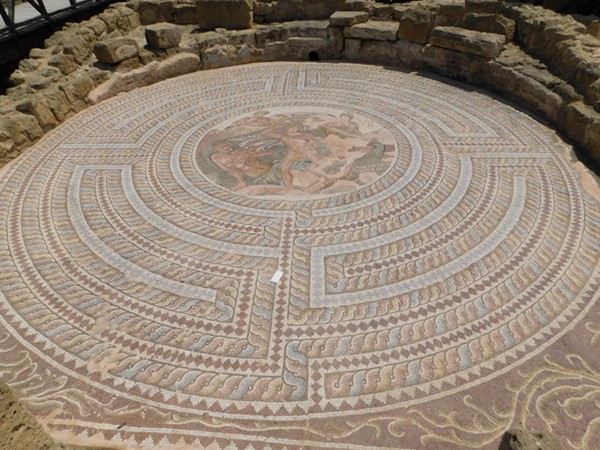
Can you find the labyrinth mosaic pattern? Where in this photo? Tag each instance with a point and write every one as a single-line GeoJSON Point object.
{"type": "Point", "coordinates": [439, 265]}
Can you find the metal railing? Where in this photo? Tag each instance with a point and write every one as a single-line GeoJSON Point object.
{"type": "Point", "coordinates": [12, 23]}
{"type": "Point", "coordinates": [22, 21]}
{"type": "Point", "coordinates": [8, 13]}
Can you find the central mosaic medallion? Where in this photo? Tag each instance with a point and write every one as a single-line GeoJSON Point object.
{"type": "Point", "coordinates": [296, 152]}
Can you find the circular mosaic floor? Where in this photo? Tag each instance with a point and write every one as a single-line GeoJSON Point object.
{"type": "Point", "coordinates": [300, 256]}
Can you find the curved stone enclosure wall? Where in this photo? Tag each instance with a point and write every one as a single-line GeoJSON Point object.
{"type": "Point", "coordinates": [543, 61]}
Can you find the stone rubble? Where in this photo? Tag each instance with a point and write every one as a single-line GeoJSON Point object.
{"type": "Point", "coordinates": [487, 45]}
{"type": "Point", "coordinates": [224, 14]}
{"type": "Point", "coordinates": [416, 25]}
{"type": "Point", "coordinates": [490, 23]}
{"type": "Point", "coordinates": [520, 439]}
{"type": "Point", "coordinates": [347, 18]}
{"type": "Point", "coordinates": [163, 35]}
{"type": "Point", "coordinates": [373, 30]}
{"type": "Point", "coordinates": [554, 60]}
{"type": "Point", "coordinates": [115, 50]}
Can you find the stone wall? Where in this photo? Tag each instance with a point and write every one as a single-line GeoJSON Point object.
{"type": "Point", "coordinates": [266, 11]}
{"type": "Point", "coordinates": [543, 61]}
{"type": "Point", "coordinates": [569, 6]}
{"type": "Point", "coordinates": [53, 83]}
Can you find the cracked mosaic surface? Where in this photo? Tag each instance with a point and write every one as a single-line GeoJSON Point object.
{"type": "Point", "coordinates": [435, 245]}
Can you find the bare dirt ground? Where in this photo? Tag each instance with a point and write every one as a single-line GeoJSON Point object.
{"type": "Point", "coordinates": [20, 430]}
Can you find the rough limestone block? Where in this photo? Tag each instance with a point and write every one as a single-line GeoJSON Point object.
{"type": "Point", "coordinates": [300, 49]}
{"type": "Point", "coordinates": [96, 25]}
{"type": "Point", "coordinates": [163, 35]}
{"type": "Point", "coordinates": [304, 28]}
{"type": "Point", "coordinates": [593, 94]}
{"type": "Point", "coordinates": [58, 103]}
{"type": "Point", "coordinates": [78, 47]}
{"type": "Point", "coordinates": [39, 53]}
{"type": "Point", "coordinates": [229, 55]}
{"type": "Point", "coordinates": [20, 128]}
{"type": "Point", "coordinates": [50, 72]}
{"type": "Point", "coordinates": [173, 66]}
{"type": "Point", "coordinates": [39, 83]}
{"type": "Point", "coordinates": [18, 427]}
{"type": "Point", "coordinates": [352, 49]}
{"type": "Point", "coordinates": [71, 43]}
{"type": "Point", "coordinates": [383, 11]}
{"type": "Point", "coordinates": [219, 56]}
{"type": "Point", "coordinates": [148, 12]}
{"type": "Point", "coordinates": [453, 64]}
{"type": "Point", "coordinates": [263, 8]}
{"type": "Point", "coordinates": [591, 141]}
{"type": "Point", "coordinates": [399, 10]}
{"type": "Point", "coordinates": [403, 53]}
{"type": "Point", "coordinates": [356, 5]}
{"type": "Point", "coordinates": [76, 90]}
{"type": "Point", "coordinates": [130, 19]}
{"type": "Point", "coordinates": [270, 33]}
{"type": "Point", "coordinates": [336, 35]}
{"type": "Point", "coordinates": [115, 50]}
{"type": "Point", "coordinates": [40, 110]}
{"type": "Point", "coordinates": [65, 63]}
{"type": "Point", "coordinates": [416, 25]}
{"type": "Point", "coordinates": [18, 77]}
{"type": "Point", "coordinates": [575, 119]}
{"type": "Point", "coordinates": [243, 37]}
{"type": "Point", "coordinates": [487, 45]}
{"type": "Point", "coordinates": [373, 30]}
{"type": "Point", "coordinates": [490, 23]}
{"type": "Point", "coordinates": [209, 39]}
{"type": "Point", "coordinates": [185, 14]}
{"type": "Point", "coordinates": [113, 20]}
{"type": "Point", "coordinates": [519, 439]}
{"type": "Point", "coordinates": [483, 6]}
{"type": "Point", "coordinates": [593, 29]}
{"type": "Point", "coordinates": [451, 9]}
{"type": "Point", "coordinates": [212, 14]}
{"type": "Point", "coordinates": [348, 18]}
{"type": "Point", "coordinates": [176, 65]}
{"type": "Point", "coordinates": [531, 92]}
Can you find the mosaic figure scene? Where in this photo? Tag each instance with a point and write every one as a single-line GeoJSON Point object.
{"type": "Point", "coordinates": [296, 154]}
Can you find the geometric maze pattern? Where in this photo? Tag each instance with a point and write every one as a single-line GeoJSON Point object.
{"type": "Point", "coordinates": [137, 305]}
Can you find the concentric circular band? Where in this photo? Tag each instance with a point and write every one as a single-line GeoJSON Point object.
{"type": "Point", "coordinates": [140, 247]}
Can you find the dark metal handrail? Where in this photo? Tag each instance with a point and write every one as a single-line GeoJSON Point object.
{"type": "Point", "coordinates": [17, 37]}
{"type": "Point", "coordinates": [7, 13]}
{"type": "Point", "coordinates": [12, 27]}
